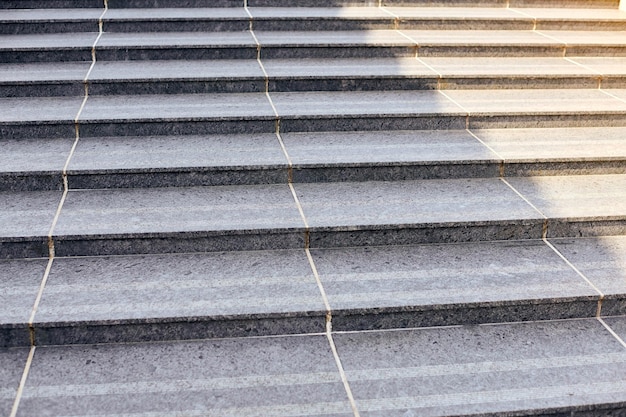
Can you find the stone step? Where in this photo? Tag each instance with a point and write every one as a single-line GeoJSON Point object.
{"type": "Point", "coordinates": [573, 367]}
{"type": "Point", "coordinates": [112, 46]}
{"type": "Point", "coordinates": [317, 215]}
{"type": "Point", "coordinates": [29, 21]}
{"type": "Point", "coordinates": [240, 76]}
{"type": "Point", "coordinates": [116, 299]}
{"type": "Point", "coordinates": [193, 114]}
{"type": "Point", "coordinates": [185, 161]}
{"type": "Point", "coordinates": [115, 4]}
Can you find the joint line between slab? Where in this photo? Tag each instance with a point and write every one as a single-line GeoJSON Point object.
{"type": "Point", "coordinates": [613, 96]}
{"type": "Point", "coordinates": [524, 198]}
{"type": "Point", "coordinates": [467, 112]}
{"type": "Point", "coordinates": [615, 335]}
{"type": "Point", "coordinates": [514, 10]}
{"type": "Point", "coordinates": [20, 388]}
{"type": "Point", "coordinates": [600, 293]}
{"type": "Point", "coordinates": [563, 44]}
{"type": "Point", "coordinates": [502, 160]}
{"type": "Point", "coordinates": [342, 372]}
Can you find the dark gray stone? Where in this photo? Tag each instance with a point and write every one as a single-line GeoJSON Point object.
{"type": "Point", "coordinates": [20, 281]}
{"type": "Point", "coordinates": [12, 362]}
{"type": "Point", "coordinates": [388, 156]}
{"type": "Point", "coordinates": [178, 220]}
{"type": "Point", "coordinates": [601, 261]}
{"type": "Point", "coordinates": [278, 375]}
{"type": "Point", "coordinates": [432, 285]}
{"type": "Point", "coordinates": [163, 161]}
{"type": "Point", "coordinates": [537, 368]}
{"type": "Point", "coordinates": [169, 297]}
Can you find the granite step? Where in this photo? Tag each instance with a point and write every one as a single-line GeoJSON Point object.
{"type": "Point", "coordinates": [193, 114]}
{"type": "Point", "coordinates": [216, 19]}
{"type": "Point", "coordinates": [316, 215]}
{"type": "Point", "coordinates": [568, 367]}
{"type": "Point", "coordinates": [291, 75]}
{"type": "Point", "coordinates": [56, 47]}
{"type": "Point", "coordinates": [161, 297]}
{"type": "Point", "coordinates": [246, 159]}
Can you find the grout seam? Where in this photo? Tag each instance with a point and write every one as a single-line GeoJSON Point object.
{"type": "Point", "coordinates": [515, 10]}
{"type": "Point", "coordinates": [502, 159]}
{"type": "Point", "coordinates": [558, 252]}
{"type": "Point", "coordinates": [20, 388]}
{"type": "Point", "coordinates": [563, 44]}
{"type": "Point", "coordinates": [612, 95]}
{"type": "Point", "coordinates": [57, 214]}
{"type": "Point", "coordinates": [467, 115]}
{"type": "Point", "coordinates": [615, 335]}
{"type": "Point", "coordinates": [342, 372]}
{"type": "Point", "coordinates": [524, 198]}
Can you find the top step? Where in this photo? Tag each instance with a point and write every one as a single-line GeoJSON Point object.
{"type": "Point", "coordinates": [48, 4]}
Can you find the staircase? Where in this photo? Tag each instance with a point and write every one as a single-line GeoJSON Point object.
{"type": "Point", "coordinates": [312, 208]}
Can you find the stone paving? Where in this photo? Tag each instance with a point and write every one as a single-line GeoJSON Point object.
{"type": "Point", "coordinates": [320, 208]}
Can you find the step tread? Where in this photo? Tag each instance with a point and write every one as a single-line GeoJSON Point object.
{"type": "Point", "coordinates": [526, 368]}
{"type": "Point", "coordinates": [572, 365]}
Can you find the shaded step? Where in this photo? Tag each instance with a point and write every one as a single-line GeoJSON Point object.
{"type": "Point", "coordinates": [570, 366]}
{"type": "Point", "coordinates": [187, 19]}
{"type": "Point", "coordinates": [226, 377]}
{"type": "Point", "coordinates": [221, 294]}
{"type": "Point", "coordinates": [47, 47]}
{"type": "Point", "coordinates": [356, 74]}
{"type": "Point", "coordinates": [166, 161]}
{"type": "Point", "coordinates": [43, 4]}
{"type": "Point", "coordinates": [29, 21]}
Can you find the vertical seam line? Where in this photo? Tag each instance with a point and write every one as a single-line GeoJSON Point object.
{"type": "Point", "coordinates": [600, 293]}
{"type": "Point", "coordinates": [615, 335]}
{"type": "Point", "coordinates": [20, 388]}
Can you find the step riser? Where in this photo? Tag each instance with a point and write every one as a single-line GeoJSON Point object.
{"type": "Point", "coordinates": [114, 4]}
{"type": "Point", "coordinates": [242, 25]}
{"type": "Point", "coordinates": [302, 52]}
{"type": "Point", "coordinates": [140, 87]}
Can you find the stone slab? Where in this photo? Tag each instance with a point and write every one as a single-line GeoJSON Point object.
{"type": "Point", "coordinates": [536, 368]}
{"type": "Point", "coordinates": [253, 376]}
{"type": "Point", "coordinates": [12, 362]}
{"type": "Point", "coordinates": [33, 164]}
{"type": "Point", "coordinates": [20, 281]}
{"type": "Point", "coordinates": [154, 220]}
{"type": "Point", "coordinates": [176, 114]}
{"type": "Point", "coordinates": [175, 77]}
{"type": "Point", "coordinates": [176, 45]}
{"type": "Point", "coordinates": [362, 110]}
{"type": "Point", "coordinates": [434, 285]}
{"type": "Point", "coordinates": [387, 155]}
{"type": "Point", "coordinates": [25, 219]}
{"type": "Point", "coordinates": [562, 151]}
{"type": "Point", "coordinates": [38, 117]}
{"type": "Point", "coordinates": [49, 47]}
{"type": "Point", "coordinates": [618, 325]}
{"type": "Point", "coordinates": [583, 205]}
{"type": "Point", "coordinates": [43, 79]}
{"type": "Point", "coordinates": [602, 260]}
{"type": "Point", "coordinates": [159, 161]}
{"type": "Point", "coordinates": [165, 297]}
{"type": "Point", "coordinates": [422, 211]}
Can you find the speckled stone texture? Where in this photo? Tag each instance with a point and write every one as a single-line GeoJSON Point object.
{"type": "Point", "coordinates": [432, 285]}
{"type": "Point", "coordinates": [254, 376]}
{"type": "Point", "coordinates": [12, 362]}
{"type": "Point", "coordinates": [108, 299]}
{"type": "Point", "coordinates": [540, 368]}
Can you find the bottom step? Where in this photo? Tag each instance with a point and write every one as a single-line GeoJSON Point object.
{"type": "Point", "coordinates": [556, 368]}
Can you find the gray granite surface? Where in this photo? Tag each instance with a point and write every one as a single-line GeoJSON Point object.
{"type": "Point", "coordinates": [159, 161]}
{"type": "Point", "coordinates": [548, 102]}
{"type": "Point", "coordinates": [27, 214]}
{"type": "Point", "coordinates": [20, 281]}
{"type": "Point", "coordinates": [12, 362]}
{"type": "Point", "coordinates": [428, 285]}
{"type": "Point", "coordinates": [358, 204]}
{"type": "Point", "coordinates": [285, 376]}
{"type": "Point", "coordinates": [525, 369]}
{"type": "Point", "coordinates": [39, 109]}
{"type": "Point", "coordinates": [172, 210]}
{"type": "Point", "coordinates": [602, 260]}
{"type": "Point", "coordinates": [261, 287]}
{"type": "Point", "coordinates": [575, 197]}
